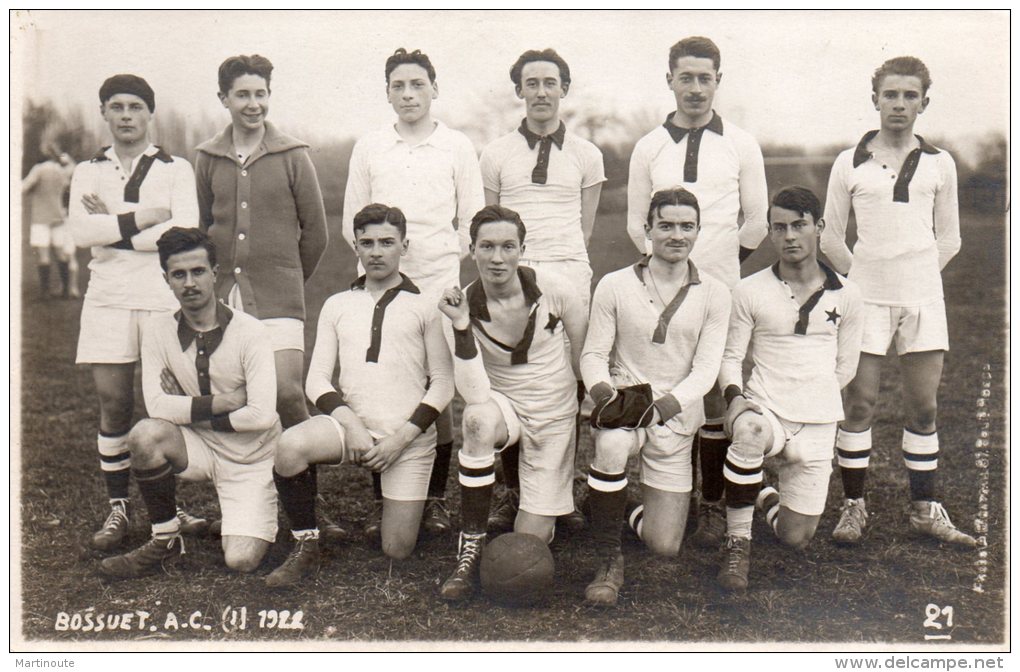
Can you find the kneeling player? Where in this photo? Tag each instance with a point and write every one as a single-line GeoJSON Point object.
{"type": "Point", "coordinates": [661, 325]}
{"type": "Point", "coordinates": [803, 324]}
{"type": "Point", "coordinates": [210, 390]}
{"type": "Point", "coordinates": [395, 379]}
{"type": "Point", "coordinates": [521, 387]}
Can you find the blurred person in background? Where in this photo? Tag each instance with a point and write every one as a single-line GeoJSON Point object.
{"type": "Point", "coordinates": [46, 187]}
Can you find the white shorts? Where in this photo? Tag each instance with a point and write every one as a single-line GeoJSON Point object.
{"type": "Point", "coordinates": [407, 479]}
{"type": "Point", "coordinates": [576, 274]}
{"type": "Point", "coordinates": [546, 462]}
{"type": "Point", "coordinates": [802, 454]}
{"type": "Point", "coordinates": [58, 236]}
{"type": "Point", "coordinates": [285, 333]}
{"type": "Point", "coordinates": [246, 492]}
{"type": "Point", "coordinates": [665, 457]}
{"type": "Point", "coordinates": [111, 335]}
{"type": "Point", "coordinates": [914, 328]}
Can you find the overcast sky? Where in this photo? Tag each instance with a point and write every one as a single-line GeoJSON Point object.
{"type": "Point", "coordinates": [789, 77]}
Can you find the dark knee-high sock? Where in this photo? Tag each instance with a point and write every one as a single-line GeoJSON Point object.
{"type": "Point", "coordinates": [159, 491]}
{"type": "Point", "coordinates": [853, 452]}
{"type": "Point", "coordinates": [377, 486]}
{"type": "Point", "coordinates": [607, 497]}
{"type": "Point", "coordinates": [65, 274]}
{"type": "Point", "coordinates": [921, 455]}
{"type": "Point", "coordinates": [476, 475]}
{"type": "Point", "coordinates": [297, 495]}
{"type": "Point", "coordinates": [44, 278]}
{"type": "Point", "coordinates": [510, 457]}
{"type": "Point", "coordinates": [115, 463]}
{"type": "Point", "coordinates": [712, 450]}
{"type": "Point", "coordinates": [440, 471]}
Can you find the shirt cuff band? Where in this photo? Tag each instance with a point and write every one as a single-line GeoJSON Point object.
{"type": "Point", "coordinates": [221, 423]}
{"type": "Point", "coordinates": [668, 407]}
{"type": "Point", "coordinates": [201, 408]}
{"type": "Point", "coordinates": [423, 416]}
{"type": "Point", "coordinates": [128, 227]}
{"type": "Point", "coordinates": [732, 392]}
{"type": "Point", "coordinates": [329, 402]}
{"type": "Point", "coordinates": [464, 346]}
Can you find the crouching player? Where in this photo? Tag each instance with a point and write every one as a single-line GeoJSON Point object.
{"type": "Point", "coordinates": [518, 385]}
{"type": "Point", "coordinates": [658, 324]}
{"type": "Point", "coordinates": [210, 389]}
{"type": "Point", "coordinates": [803, 325]}
{"type": "Point", "coordinates": [395, 379]}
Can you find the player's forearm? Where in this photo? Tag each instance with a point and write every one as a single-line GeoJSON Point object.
{"type": "Point", "coordinates": [469, 374]}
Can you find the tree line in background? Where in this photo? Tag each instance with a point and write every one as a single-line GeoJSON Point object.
{"type": "Point", "coordinates": [982, 184]}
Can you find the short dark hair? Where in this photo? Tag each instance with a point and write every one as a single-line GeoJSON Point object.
{"type": "Point", "coordinates": [496, 213]}
{"type": "Point", "coordinates": [677, 196]}
{"type": "Point", "coordinates": [534, 55]}
{"type": "Point", "coordinates": [902, 65]}
{"type": "Point", "coordinates": [402, 57]}
{"type": "Point", "coordinates": [377, 213]}
{"type": "Point", "coordinates": [236, 66]}
{"type": "Point", "coordinates": [178, 239]}
{"type": "Point", "coordinates": [698, 47]}
{"type": "Point", "coordinates": [797, 199]}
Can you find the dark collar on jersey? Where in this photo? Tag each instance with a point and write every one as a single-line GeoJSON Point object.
{"type": "Point", "coordinates": [677, 133]}
{"type": "Point", "coordinates": [405, 285]}
{"type": "Point", "coordinates": [160, 154]}
{"type": "Point", "coordinates": [861, 153]}
{"type": "Point", "coordinates": [832, 280]}
{"type": "Point", "coordinates": [533, 139]}
{"type": "Point", "coordinates": [659, 336]}
{"type": "Point", "coordinates": [186, 335]}
{"type": "Point", "coordinates": [478, 306]}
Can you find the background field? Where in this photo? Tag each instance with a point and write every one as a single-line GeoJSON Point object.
{"type": "Point", "coordinates": [877, 593]}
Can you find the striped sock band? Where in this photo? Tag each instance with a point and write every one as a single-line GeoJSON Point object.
{"type": "Point", "coordinates": [853, 452]}
{"type": "Point", "coordinates": [607, 497]}
{"type": "Point", "coordinates": [115, 463]}
{"type": "Point", "coordinates": [636, 519]}
{"type": "Point", "coordinates": [167, 529]}
{"type": "Point", "coordinates": [477, 475]}
{"type": "Point", "coordinates": [921, 455]}
{"type": "Point", "coordinates": [768, 502]}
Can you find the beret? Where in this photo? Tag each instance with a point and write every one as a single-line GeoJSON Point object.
{"type": "Point", "coordinates": [132, 84]}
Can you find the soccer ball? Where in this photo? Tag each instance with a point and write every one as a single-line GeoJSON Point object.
{"type": "Point", "coordinates": [517, 569]}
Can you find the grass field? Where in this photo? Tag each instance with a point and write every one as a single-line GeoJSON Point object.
{"type": "Point", "coordinates": [875, 594]}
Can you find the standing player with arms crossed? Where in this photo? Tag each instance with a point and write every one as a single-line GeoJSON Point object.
{"type": "Point", "coordinates": [661, 325]}
{"type": "Point", "coordinates": [722, 166]}
{"type": "Point", "coordinates": [430, 172]}
{"type": "Point", "coordinates": [210, 388]}
{"type": "Point", "coordinates": [802, 323]}
{"type": "Point", "coordinates": [552, 178]}
{"type": "Point", "coordinates": [903, 193]}
{"type": "Point", "coordinates": [121, 202]}
{"type": "Point", "coordinates": [518, 385]}
{"type": "Point", "coordinates": [395, 379]}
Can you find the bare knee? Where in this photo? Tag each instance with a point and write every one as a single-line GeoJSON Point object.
{"type": "Point", "coordinates": [750, 436]}
{"type": "Point", "coordinates": [150, 437]}
{"type": "Point", "coordinates": [290, 458]}
{"type": "Point", "coordinates": [612, 448]}
{"type": "Point", "coordinates": [923, 417]}
{"type": "Point", "coordinates": [398, 546]}
{"type": "Point", "coordinates": [668, 547]}
{"type": "Point", "coordinates": [244, 558]}
{"type": "Point", "coordinates": [479, 424]}
{"type": "Point", "coordinates": [798, 540]}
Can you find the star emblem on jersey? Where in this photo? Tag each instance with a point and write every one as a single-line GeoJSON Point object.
{"type": "Point", "coordinates": [833, 315]}
{"type": "Point", "coordinates": [553, 321]}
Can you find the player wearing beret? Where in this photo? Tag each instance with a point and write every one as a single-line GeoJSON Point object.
{"type": "Point", "coordinates": [655, 340]}
{"type": "Point", "coordinates": [518, 385]}
{"type": "Point", "coordinates": [552, 178]}
{"type": "Point", "coordinates": [121, 202]}
{"type": "Point", "coordinates": [802, 324]}
{"type": "Point", "coordinates": [395, 379]}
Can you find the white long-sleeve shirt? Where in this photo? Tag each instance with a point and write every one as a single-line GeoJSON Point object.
{"type": "Point", "coordinates": [394, 362]}
{"type": "Point", "coordinates": [235, 354]}
{"type": "Point", "coordinates": [908, 222]}
{"type": "Point", "coordinates": [729, 180]}
{"type": "Point", "coordinates": [435, 183]}
{"type": "Point", "coordinates": [803, 355]}
{"type": "Point", "coordinates": [125, 271]}
{"type": "Point", "coordinates": [677, 351]}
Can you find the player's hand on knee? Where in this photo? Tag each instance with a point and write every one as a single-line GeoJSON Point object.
{"type": "Point", "coordinates": [384, 453]}
{"type": "Point", "coordinates": [739, 405]}
{"type": "Point", "coordinates": [151, 217]}
{"type": "Point", "coordinates": [453, 305]}
{"type": "Point", "coordinates": [168, 382]}
{"type": "Point", "coordinates": [357, 440]}
{"type": "Point", "coordinates": [94, 205]}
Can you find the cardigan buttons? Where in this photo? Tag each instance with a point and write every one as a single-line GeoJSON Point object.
{"type": "Point", "coordinates": [241, 236]}
{"type": "Point", "coordinates": [244, 205]}
{"type": "Point", "coordinates": [244, 173]}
